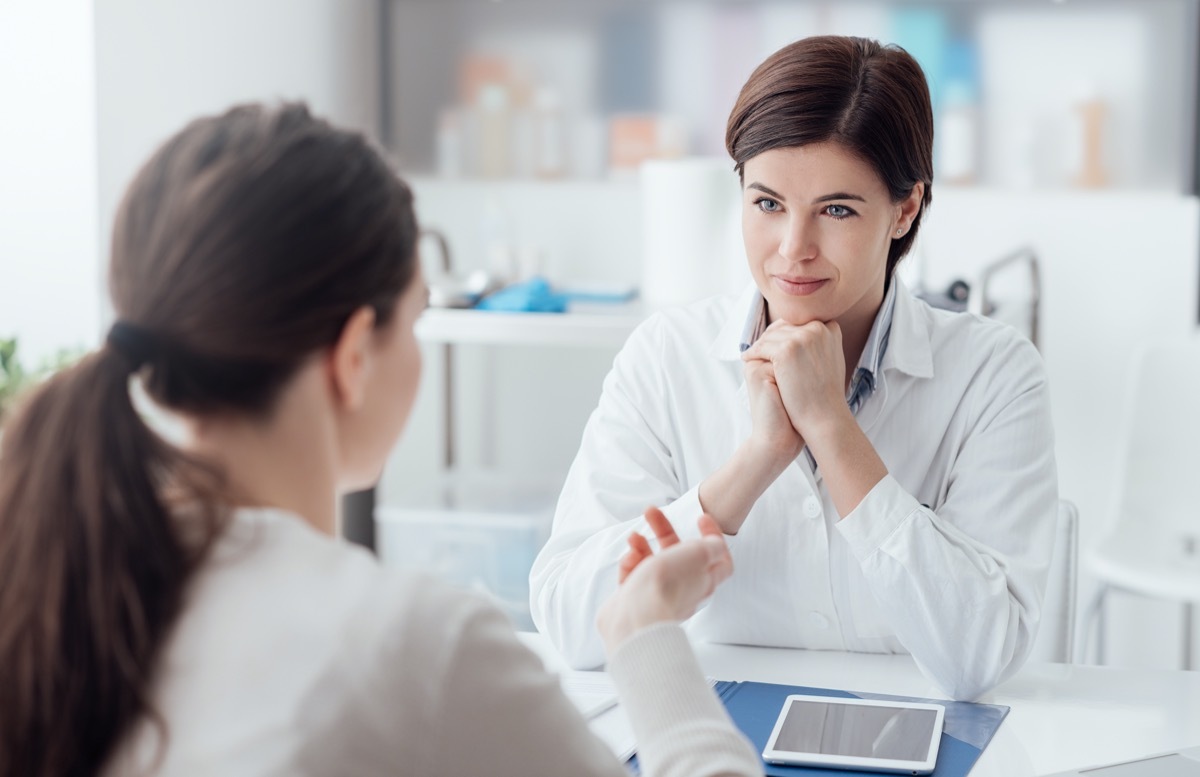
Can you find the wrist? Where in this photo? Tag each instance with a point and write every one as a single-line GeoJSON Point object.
{"type": "Point", "coordinates": [618, 620]}
{"type": "Point", "coordinates": [766, 459]}
{"type": "Point", "coordinates": [828, 426]}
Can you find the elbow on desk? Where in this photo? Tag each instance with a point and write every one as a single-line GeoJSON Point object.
{"type": "Point", "coordinates": [576, 642]}
{"type": "Point", "coordinates": [969, 681]}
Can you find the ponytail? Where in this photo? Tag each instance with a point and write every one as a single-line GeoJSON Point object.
{"type": "Point", "coordinates": [239, 251]}
{"type": "Point", "coordinates": [92, 565]}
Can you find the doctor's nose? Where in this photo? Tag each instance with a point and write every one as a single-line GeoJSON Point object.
{"type": "Point", "coordinates": [798, 243]}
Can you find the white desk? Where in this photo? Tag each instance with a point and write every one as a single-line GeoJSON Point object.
{"type": "Point", "coordinates": [1063, 716]}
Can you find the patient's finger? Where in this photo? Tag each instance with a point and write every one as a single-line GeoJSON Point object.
{"type": "Point", "coordinates": [663, 529]}
{"type": "Point", "coordinates": [639, 551]}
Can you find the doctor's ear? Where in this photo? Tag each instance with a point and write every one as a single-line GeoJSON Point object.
{"type": "Point", "coordinates": [349, 361]}
{"type": "Point", "coordinates": [908, 208]}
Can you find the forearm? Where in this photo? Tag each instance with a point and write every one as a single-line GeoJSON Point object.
{"type": "Point", "coordinates": [681, 727]}
{"type": "Point", "coordinates": [964, 610]}
{"type": "Point", "coordinates": [849, 463]}
{"type": "Point", "coordinates": [729, 493]}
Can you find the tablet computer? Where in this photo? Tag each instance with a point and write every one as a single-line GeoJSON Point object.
{"type": "Point", "coordinates": [880, 736]}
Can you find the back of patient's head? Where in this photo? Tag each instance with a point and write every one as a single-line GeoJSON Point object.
{"type": "Point", "coordinates": [869, 98]}
{"type": "Point", "coordinates": [240, 250]}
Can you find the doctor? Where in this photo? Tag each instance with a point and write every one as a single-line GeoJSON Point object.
{"type": "Point", "coordinates": [884, 471]}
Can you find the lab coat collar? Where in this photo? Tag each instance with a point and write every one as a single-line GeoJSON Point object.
{"type": "Point", "coordinates": [909, 348]}
{"type": "Point", "coordinates": [728, 343]}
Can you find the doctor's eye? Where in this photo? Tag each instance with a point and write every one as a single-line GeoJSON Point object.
{"type": "Point", "coordinates": [768, 205]}
{"type": "Point", "coordinates": [839, 212]}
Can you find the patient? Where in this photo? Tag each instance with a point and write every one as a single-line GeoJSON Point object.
{"type": "Point", "coordinates": [187, 610]}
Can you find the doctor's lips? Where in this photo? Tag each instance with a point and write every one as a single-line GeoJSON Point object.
{"type": "Point", "coordinates": [798, 285]}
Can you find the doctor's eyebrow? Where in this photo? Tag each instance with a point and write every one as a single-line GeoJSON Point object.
{"type": "Point", "coordinates": [823, 198]}
{"type": "Point", "coordinates": [766, 190]}
{"type": "Point", "coordinates": [838, 196]}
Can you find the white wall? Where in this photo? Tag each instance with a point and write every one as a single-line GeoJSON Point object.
{"type": "Point", "coordinates": [48, 224]}
{"type": "Point", "coordinates": [1119, 269]}
{"type": "Point", "coordinates": [159, 64]}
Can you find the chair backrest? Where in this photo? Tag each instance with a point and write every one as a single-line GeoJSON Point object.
{"type": "Point", "coordinates": [1055, 640]}
{"type": "Point", "coordinates": [1161, 461]}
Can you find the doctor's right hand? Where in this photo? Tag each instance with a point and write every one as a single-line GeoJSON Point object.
{"type": "Point", "coordinates": [666, 586]}
{"type": "Point", "coordinates": [773, 432]}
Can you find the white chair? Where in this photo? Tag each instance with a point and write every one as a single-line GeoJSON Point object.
{"type": "Point", "coordinates": [1151, 549]}
{"type": "Point", "coordinates": [1055, 641]}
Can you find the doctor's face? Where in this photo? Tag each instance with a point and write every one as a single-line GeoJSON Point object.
{"type": "Point", "coordinates": [817, 223]}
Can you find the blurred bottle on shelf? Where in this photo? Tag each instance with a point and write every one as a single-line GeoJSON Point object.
{"type": "Point", "coordinates": [956, 139]}
{"type": "Point", "coordinates": [634, 139]}
{"type": "Point", "coordinates": [494, 131]}
{"type": "Point", "coordinates": [549, 136]}
{"type": "Point", "coordinates": [1089, 114]}
{"type": "Point", "coordinates": [450, 144]}
{"type": "Point", "coordinates": [589, 146]}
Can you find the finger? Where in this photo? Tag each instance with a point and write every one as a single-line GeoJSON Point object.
{"type": "Point", "coordinates": [720, 561]}
{"type": "Point", "coordinates": [709, 526]}
{"type": "Point", "coordinates": [640, 545]}
{"type": "Point", "coordinates": [758, 371]}
{"type": "Point", "coordinates": [639, 551]}
{"type": "Point", "coordinates": [629, 562]}
{"type": "Point", "coordinates": [663, 529]}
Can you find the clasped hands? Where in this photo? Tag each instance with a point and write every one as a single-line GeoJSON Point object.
{"type": "Point", "coordinates": [796, 382]}
{"type": "Point", "coordinates": [795, 378]}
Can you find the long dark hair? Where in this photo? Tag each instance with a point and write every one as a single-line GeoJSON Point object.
{"type": "Point", "coordinates": [871, 99]}
{"type": "Point", "coordinates": [240, 249]}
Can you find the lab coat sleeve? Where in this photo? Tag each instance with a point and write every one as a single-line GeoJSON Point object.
{"type": "Point", "coordinates": [624, 465]}
{"type": "Point", "coordinates": [965, 580]}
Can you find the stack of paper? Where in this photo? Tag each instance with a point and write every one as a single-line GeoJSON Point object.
{"type": "Point", "coordinates": [594, 695]}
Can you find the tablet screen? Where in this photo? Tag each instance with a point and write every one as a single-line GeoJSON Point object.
{"type": "Point", "coordinates": [898, 733]}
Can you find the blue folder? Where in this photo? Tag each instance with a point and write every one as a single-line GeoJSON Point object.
{"type": "Point", "coordinates": [966, 731]}
{"type": "Point", "coordinates": [754, 707]}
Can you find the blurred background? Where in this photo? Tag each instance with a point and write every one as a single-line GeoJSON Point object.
{"type": "Point", "coordinates": [581, 143]}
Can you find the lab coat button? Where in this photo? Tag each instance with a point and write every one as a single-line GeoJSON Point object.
{"type": "Point", "coordinates": [812, 507]}
{"type": "Point", "coordinates": [818, 620]}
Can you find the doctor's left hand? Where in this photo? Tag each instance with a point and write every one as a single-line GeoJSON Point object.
{"type": "Point", "coordinates": [810, 371]}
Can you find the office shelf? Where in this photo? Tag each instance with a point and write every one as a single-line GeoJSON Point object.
{"type": "Point", "coordinates": [590, 326]}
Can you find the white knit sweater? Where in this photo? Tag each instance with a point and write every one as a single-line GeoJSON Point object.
{"type": "Point", "coordinates": [297, 654]}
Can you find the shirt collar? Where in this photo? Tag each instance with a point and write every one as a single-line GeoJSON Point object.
{"type": "Point", "coordinates": [877, 340]}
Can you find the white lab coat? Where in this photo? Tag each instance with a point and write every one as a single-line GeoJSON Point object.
{"type": "Point", "coordinates": [946, 558]}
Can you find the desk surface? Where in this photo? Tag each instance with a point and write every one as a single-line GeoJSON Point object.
{"type": "Point", "coordinates": [1063, 716]}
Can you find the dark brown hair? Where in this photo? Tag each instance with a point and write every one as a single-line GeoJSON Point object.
{"type": "Point", "coordinates": [239, 251]}
{"type": "Point", "coordinates": [870, 99]}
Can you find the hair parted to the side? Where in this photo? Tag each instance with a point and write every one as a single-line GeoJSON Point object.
{"type": "Point", "coordinates": [240, 250]}
{"type": "Point", "coordinates": [871, 99]}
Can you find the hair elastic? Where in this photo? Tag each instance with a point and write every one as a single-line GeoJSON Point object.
{"type": "Point", "coordinates": [133, 343]}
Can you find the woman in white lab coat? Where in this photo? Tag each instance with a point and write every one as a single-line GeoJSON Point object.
{"type": "Point", "coordinates": [188, 611]}
{"type": "Point", "coordinates": [884, 471]}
